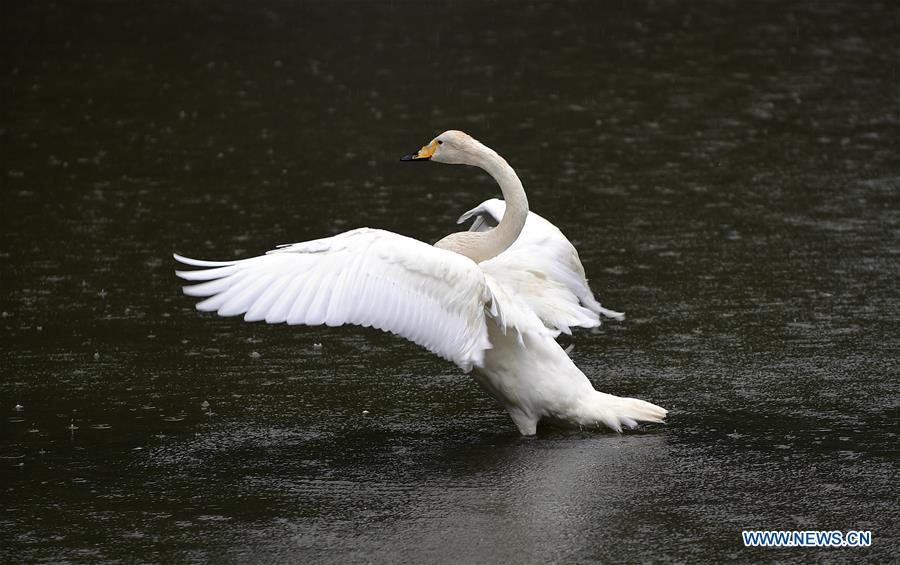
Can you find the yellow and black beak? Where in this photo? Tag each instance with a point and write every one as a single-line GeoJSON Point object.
{"type": "Point", "coordinates": [424, 153]}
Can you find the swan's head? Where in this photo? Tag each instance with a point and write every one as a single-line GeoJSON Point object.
{"type": "Point", "coordinates": [452, 147]}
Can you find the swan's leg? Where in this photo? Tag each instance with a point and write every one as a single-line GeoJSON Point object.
{"type": "Point", "coordinates": [527, 424]}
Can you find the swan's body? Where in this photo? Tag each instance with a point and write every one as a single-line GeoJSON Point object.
{"type": "Point", "coordinates": [492, 299]}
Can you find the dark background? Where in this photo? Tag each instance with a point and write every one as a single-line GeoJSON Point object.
{"type": "Point", "coordinates": [729, 172]}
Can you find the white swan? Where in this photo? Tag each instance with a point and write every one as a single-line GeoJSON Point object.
{"type": "Point", "coordinates": [492, 300]}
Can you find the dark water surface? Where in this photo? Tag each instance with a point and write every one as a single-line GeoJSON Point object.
{"type": "Point", "coordinates": [729, 171]}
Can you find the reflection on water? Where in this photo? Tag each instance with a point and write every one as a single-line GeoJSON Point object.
{"type": "Point", "coordinates": [729, 174]}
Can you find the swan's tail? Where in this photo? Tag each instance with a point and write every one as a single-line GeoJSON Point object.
{"type": "Point", "coordinates": [615, 412]}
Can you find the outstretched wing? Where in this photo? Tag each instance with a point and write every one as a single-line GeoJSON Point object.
{"type": "Point", "coordinates": [433, 297]}
{"type": "Point", "coordinates": [544, 269]}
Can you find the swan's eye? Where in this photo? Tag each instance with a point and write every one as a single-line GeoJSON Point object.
{"type": "Point", "coordinates": [440, 142]}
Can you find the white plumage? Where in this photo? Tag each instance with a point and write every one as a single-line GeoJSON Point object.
{"type": "Point", "coordinates": [366, 277]}
{"type": "Point", "coordinates": [492, 299]}
{"type": "Point", "coordinates": [544, 268]}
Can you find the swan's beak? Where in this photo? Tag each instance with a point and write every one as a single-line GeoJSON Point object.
{"type": "Point", "coordinates": [424, 153]}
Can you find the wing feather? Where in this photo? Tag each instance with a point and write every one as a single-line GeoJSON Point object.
{"type": "Point", "coordinates": [365, 277]}
{"type": "Point", "coordinates": [264, 303]}
{"type": "Point", "coordinates": [542, 268]}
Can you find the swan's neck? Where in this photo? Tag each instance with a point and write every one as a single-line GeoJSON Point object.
{"type": "Point", "coordinates": [485, 245]}
{"type": "Point", "coordinates": [516, 202]}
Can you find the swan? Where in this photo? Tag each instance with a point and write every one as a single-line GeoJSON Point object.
{"type": "Point", "coordinates": [492, 299]}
